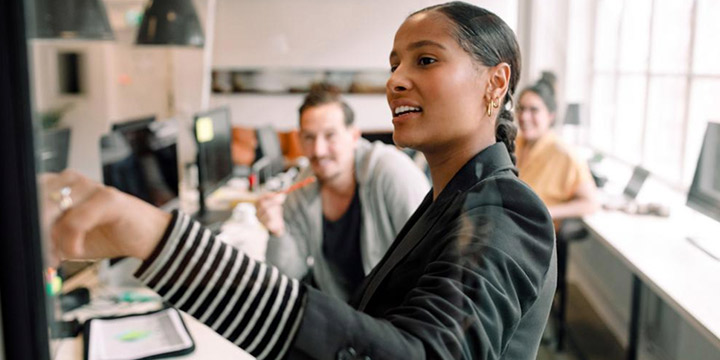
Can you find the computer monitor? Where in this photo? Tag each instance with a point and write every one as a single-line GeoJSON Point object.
{"type": "Point", "coordinates": [54, 149]}
{"type": "Point", "coordinates": [213, 136]}
{"type": "Point", "coordinates": [130, 125]}
{"type": "Point", "coordinates": [142, 161]}
{"type": "Point", "coordinates": [704, 193]}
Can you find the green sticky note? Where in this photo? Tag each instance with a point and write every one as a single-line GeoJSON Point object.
{"type": "Point", "coordinates": [204, 129]}
{"type": "Point", "coordinates": [133, 335]}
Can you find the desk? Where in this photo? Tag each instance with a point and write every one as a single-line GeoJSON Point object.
{"type": "Point", "coordinates": [658, 254]}
{"type": "Point", "coordinates": [208, 344]}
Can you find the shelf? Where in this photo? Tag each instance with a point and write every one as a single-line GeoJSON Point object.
{"type": "Point", "coordinates": [298, 81]}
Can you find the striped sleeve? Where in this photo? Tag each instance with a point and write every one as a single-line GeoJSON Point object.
{"type": "Point", "coordinates": [249, 303]}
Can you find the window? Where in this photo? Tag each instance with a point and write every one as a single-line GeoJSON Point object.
{"type": "Point", "coordinates": [656, 74]}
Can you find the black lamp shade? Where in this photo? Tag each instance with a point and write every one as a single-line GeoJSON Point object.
{"type": "Point", "coordinates": [572, 116]}
{"type": "Point", "coordinates": [72, 19]}
{"type": "Point", "coordinates": [170, 22]}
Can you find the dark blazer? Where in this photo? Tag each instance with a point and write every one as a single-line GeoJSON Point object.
{"type": "Point", "coordinates": [470, 276]}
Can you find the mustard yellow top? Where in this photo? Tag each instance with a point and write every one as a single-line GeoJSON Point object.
{"type": "Point", "coordinates": [551, 169]}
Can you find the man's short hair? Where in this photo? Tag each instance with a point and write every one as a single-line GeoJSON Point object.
{"type": "Point", "coordinates": [324, 93]}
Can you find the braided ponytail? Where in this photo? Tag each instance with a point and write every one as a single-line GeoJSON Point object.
{"type": "Point", "coordinates": [505, 128]}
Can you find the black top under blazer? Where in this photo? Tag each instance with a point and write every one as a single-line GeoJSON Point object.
{"type": "Point", "coordinates": [470, 276]}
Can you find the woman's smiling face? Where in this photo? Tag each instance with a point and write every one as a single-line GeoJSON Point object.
{"type": "Point", "coordinates": [436, 90]}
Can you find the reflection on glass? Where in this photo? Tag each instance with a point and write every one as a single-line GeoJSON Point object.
{"type": "Point", "coordinates": [666, 109]}
{"type": "Point", "coordinates": [601, 112]}
{"type": "Point", "coordinates": [671, 36]}
{"type": "Point", "coordinates": [634, 35]}
{"type": "Point", "coordinates": [706, 54]}
{"type": "Point", "coordinates": [606, 34]}
{"type": "Point", "coordinates": [630, 114]}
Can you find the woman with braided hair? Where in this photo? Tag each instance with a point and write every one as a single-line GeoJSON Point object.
{"type": "Point", "coordinates": [470, 276]}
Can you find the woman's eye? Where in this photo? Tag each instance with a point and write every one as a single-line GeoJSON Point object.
{"type": "Point", "coordinates": [426, 61]}
{"type": "Point", "coordinates": [392, 68]}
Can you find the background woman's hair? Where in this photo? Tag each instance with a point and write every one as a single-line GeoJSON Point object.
{"type": "Point", "coordinates": [324, 93]}
{"type": "Point", "coordinates": [545, 89]}
{"type": "Point", "coordinates": [490, 41]}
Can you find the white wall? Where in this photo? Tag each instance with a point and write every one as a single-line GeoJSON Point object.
{"type": "Point", "coordinates": [317, 33]}
{"type": "Point", "coordinates": [313, 34]}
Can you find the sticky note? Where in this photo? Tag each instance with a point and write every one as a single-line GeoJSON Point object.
{"type": "Point", "coordinates": [204, 129]}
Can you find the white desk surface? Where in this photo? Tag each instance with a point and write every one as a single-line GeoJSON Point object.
{"type": "Point", "coordinates": [657, 251]}
{"type": "Point", "coordinates": [252, 239]}
{"type": "Point", "coordinates": [208, 345]}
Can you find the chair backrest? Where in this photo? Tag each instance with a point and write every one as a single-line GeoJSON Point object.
{"type": "Point", "coordinates": [268, 143]}
{"type": "Point", "coordinates": [269, 150]}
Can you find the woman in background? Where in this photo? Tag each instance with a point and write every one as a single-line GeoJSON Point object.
{"type": "Point", "coordinates": [470, 276]}
{"type": "Point", "coordinates": [544, 162]}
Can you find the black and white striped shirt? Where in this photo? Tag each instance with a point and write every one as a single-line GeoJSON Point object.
{"type": "Point", "coordinates": [247, 302]}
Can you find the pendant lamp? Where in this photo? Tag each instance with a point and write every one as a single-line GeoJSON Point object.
{"type": "Point", "coordinates": [170, 22]}
{"type": "Point", "coordinates": [71, 19]}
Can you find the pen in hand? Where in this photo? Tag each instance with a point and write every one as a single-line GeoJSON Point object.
{"type": "Point", "coordinates": [299, 185]}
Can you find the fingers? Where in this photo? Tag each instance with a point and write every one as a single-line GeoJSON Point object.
{"type": "Point", "coordinates": [57, 192]}
{"type": "Point", "coordinates": [271, 199]}
{"type": "Point", "coordinates": [269, 212]}
{"type": "Point", "coordinates": [100, 221]}
{"type": "Point", "coordinates": [70, 232]}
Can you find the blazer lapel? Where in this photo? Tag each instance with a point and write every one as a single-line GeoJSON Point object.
{"type": "Point", "coordinates": [413, 237]}
{"type": "Point", "coordinates": [489, 161]}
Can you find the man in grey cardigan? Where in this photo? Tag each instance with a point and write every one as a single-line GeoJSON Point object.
{"type": "Point", "coordinates": [334, 231]}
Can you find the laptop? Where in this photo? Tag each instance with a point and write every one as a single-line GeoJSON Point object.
{"type": "Point", "coordinates": [622, 201]}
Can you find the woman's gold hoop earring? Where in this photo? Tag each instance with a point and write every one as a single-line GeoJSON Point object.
{"type": "Point", "coordinates": [492, 104]}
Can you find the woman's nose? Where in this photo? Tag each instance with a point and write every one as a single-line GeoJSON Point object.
{"type": "Point", "coordinates": [398, 81]}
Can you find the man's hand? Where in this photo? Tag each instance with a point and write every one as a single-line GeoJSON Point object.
{"type": "Point", "coordinates": [270, 212]}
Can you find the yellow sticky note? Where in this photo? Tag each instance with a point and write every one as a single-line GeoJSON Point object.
{"type": "Point", "coordinates": [204, 129]}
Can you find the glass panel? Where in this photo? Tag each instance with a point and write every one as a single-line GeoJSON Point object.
{"type": "Point", "coordinates": [703, 107]}
{"type": "Point", "coordinates": [635, 33]}
{"type": "Point", "coordinates": [663, 142]}
{"type": "Point", "coordinates": [601, 113]}
{"type": "Point", "coordinates": [671, 36]}
{"type": "Point", "coordinates": [706, 57]}
{"type": "Point", "coordinates": [606, 34]}
{"type": "Point", "coordinates": [629, 117]}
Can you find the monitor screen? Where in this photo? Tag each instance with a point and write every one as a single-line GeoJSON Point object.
{"type": "Point", "coordinates": [213, 136]}
{"type": "Point", "coordinates": [142, 161]}
{"type": "Point", "coordinates": [704, 194]}
{"type": "Point", "coordinates": [129, 125]}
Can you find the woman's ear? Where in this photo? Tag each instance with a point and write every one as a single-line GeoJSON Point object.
{"type": "Point", "coordinates": [499, 80]}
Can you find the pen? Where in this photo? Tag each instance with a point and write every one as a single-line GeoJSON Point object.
{"type": "Point", "coordinates": [299, 185]}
